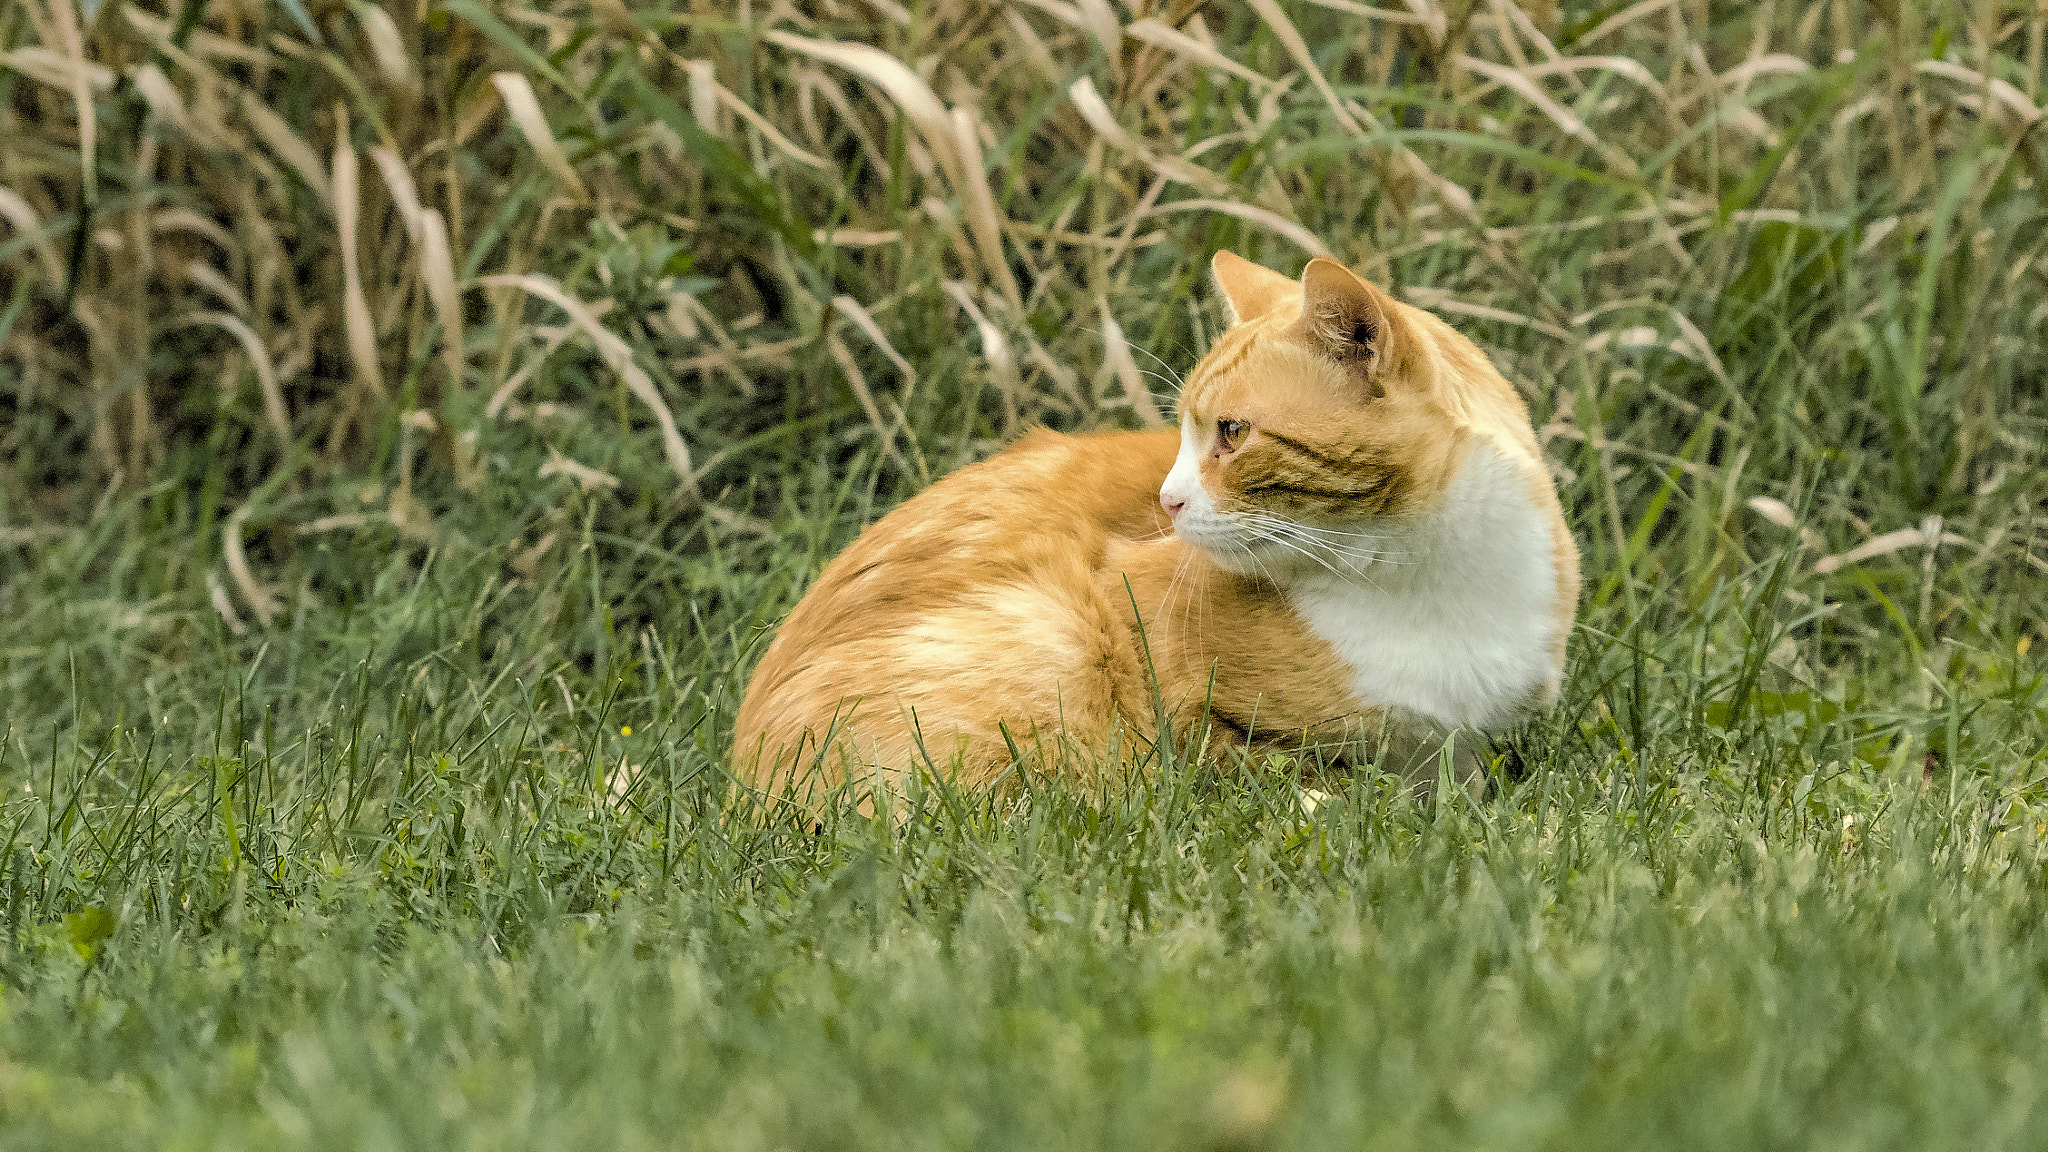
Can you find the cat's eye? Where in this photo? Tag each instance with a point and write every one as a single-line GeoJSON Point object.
{"type": "Point", "coordinates": [1230, 433]}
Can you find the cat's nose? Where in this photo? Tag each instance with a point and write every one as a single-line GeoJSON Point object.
{"type": "Point", "coordinates": [1173, 507]}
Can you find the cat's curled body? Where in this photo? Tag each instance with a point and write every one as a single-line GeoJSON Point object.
{"type": "Point", "coordinates": [1351, 533]}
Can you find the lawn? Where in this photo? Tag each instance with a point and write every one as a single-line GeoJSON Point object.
{"type": "Point", "coordinates": [417, 417]}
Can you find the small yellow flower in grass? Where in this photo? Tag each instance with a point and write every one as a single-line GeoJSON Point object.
{"type": "Point", "coordinates": [625, 730]}
{"type": "Point", "coordinates": [2026, 642]}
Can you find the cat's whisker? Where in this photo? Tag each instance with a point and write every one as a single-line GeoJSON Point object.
{"type": "Point", "coordinates": [1176, 380]}
{"type": "Point", "coordinates": [1274, 518]}
{"type": "Point", "coordinates": [1267, 533]}
{"type": "Point", "coordinates": [1318, 538]}
{"type": "Point", "coordinates": [1171, 380]}
{"type": "Point", "coordinates": [1274, 528]}
{"type": "Point", "coordinates": [1359, 557]}
{"type": "Point", "coordinates": [1333, 532]}
{"type": "Point", "coordinates": [1261, 563]}
{"type": "Point", "coordinates": [1189, 577]}
{"type": "Point", "coordinates": [1274, 538]}
{"type": "Point", "coordinates": [1311, 529]}
{"type": "Point", "coordinates": [1201, 604]}
{"type": "Point", "coordinates": [1170, 383]}
{"type": "Point", "coordinates": [1179, 570]}
{"type": "Point", "coordinates": [1193, 594]}
{"type": "Point", "coordinates": [1357, 563]}
{"type": "Point", "coordinates": [1360, 566]}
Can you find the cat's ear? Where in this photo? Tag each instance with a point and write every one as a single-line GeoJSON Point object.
{"type": "Point", "coordinates": [1251, 291]}
{"type": "Point", "coordinates": [1347, 317]}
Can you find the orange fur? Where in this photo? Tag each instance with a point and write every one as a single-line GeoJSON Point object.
{"type": "Point", "coordinates": [1031, 599]}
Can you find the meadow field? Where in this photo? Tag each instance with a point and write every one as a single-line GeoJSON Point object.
{"type": "Point", "coordinates": [417, 415]}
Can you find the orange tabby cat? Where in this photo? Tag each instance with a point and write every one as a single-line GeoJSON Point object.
{"type": "Point", "coordinates": [1351, 534]}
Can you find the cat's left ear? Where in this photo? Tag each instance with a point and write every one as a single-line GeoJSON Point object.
{"type": "Point", "coordinates": [1346, 317]}
{"type": "Point", "coordinates": [1251, 291]}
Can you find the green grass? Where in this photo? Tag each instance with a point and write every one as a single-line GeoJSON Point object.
{"type": "Point", "coordinates": [363, 781]}
{"type": "Point", "coordinates": [412, 908]}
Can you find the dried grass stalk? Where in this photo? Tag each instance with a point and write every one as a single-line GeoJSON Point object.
{"type": "Point", "coordinates": [617, 356]}
{"type": "Point", "coordinates": [950, 138]}
{"type": "Point", "coordinates": [1290, 38]}
{"type": "Point", "coordinates": [1622, 19]}
{"type": "Point", "coordinates": [703, 85]}
{"type": "Point", "coordinates": [1116, 351]}
{"type": "Point", "coordinates": [210, 278]}
{"type": "Point", "coordinates": [850, 308]}
{"type": "Point", "coordinates": [398, 180]}
{"type": "Point", "coordinates": [524, 108]}
{"type": "Point", "coordinates": [259, 358]}
{"type": "Point", "coordinates": [437, 268]}
{"type": "Point", "coordinates": [80, 77]}
{"type": "Point", "coordinates": [163, 100]}
{"type": "Point", "coordinates": [223, 606]}
{"type": "Point", "coordinates": [995, 349]}
{"type": "Point", "coordinates": [1153, 32]}
{"type": "Point", "coordinates": [1095, 110]}
{"type": "Point", "coordinates": [387, 47]}
{"type": "Point", "coordinates": [22, 215]}
{"type": "Point", "coordinates": [903, 86]}
{"type": "Point", "coordinates": [1101, 23]}
{"type": "Point", "coordinates": [761, 124]}
{"type": "Point", "coordinates": [553, 340]}
{"type": "Point", "coordinates": [858, 381]}
{"type": "Point", "coordinates": [587, 478]}
{"type": "Point", "coordinates": [982, 220]}
{"type": "Point", "coordinates": [255, 595]}
{"type": "Point", "coordinates": [362, 334]}
{"type": "Point", "coordinates": [1265, 218]}
{"type": "Point", "coordinates": [280, 139]}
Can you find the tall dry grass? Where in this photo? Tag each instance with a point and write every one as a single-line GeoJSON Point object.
{"type": "Point", "coordinates": [1772, 260]}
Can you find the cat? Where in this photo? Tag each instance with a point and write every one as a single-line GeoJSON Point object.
{"type": "Point", "coordinates": [1351, 536]}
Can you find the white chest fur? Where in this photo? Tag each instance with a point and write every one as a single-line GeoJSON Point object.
{"type": "Point", "coordinates": [1460, 625]}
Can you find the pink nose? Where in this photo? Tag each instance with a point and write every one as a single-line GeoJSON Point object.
{"type": "Point", "coordinates": [1173, 507]}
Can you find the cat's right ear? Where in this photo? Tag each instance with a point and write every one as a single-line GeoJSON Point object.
{"type": "Point", "coordinates": [1251, 291]}
{"type": "Point", "coordinates": [1347, 317]}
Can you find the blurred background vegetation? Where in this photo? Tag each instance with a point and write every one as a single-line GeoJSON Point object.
{"type": "Point", "coordinates": [291, 284]}
{"type": "Point", "coordinates": [415, 414]}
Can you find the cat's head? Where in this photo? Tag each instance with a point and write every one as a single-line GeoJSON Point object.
{"type": "Point", "coordinates": [1314, 427]}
